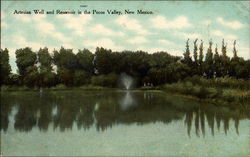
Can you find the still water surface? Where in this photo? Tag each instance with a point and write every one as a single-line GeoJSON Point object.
{"type": "Point", "coordinates": [120, 123]}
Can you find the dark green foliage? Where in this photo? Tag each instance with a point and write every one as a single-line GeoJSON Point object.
{"type": "Point", "coordinates": [4, 66]}
{"type": "Point", "coordinates": [103, 68]}
{"type": "Point", "coordinates": [200, 61]}
{"type": "Point", "coordinates": [209, 62]}
{"type": "Point", "coordinates": [187, 59]}
{"type": "Point", "coordinates": [225, 89]}
{"type": "Point", "coordinates": [81, 78]}
{"type": "Point", "coordinates": [103, 60]}
{"type": "Point", "coordinates": [217, 63]}
{"type": "Point", "coordinates": [65, 76]}
{"type": "Point", "coordinates": [195, 66]}
{"type": "Point", "coordinates": [44, 59]}
{"type": "Point", "coordinates": [195, 51]}
{"type": "Point", "coordinates": [220, 82]}
{"type": "Point", "coordinates": [14, 79]}
{"type": "Point", "coordinates": [203, 93]}
{"type": "Point", "coordinates": [85, 60]}
{"type": "Point", "coordinates": [46, 77]}
{"type": "Point", "coordinates": [225, 60]}
{"type": "Point", "coordinates": [25, 58]}
{"type": "Point", "coordinates": [65, 58]}
{"type": "Point", "coordinates": [109, 80]}
{"type": "Point", "coordinates": [31, 77]}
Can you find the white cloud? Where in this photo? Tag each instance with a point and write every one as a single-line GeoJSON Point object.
{"type": "Point", "coordinates": [188, 35]}
{"type": "Point", "coordinates": [231, 24]}
{"type": "Point", "coordinates": [172, 51]}
{"type": "Point", "coordinates": [47, 28]}
{"type": "Point", "coordinates": [131, 24]}
{"type": "Point", "coordinates": [100, 29]}
{"type": "Point", "coordinates": [244, 52]}
{"type": "Point", "coordinates": [3, 23]}
{"type": "Point", "coordinates": [21, 42]}
{"type": "Point", "coordinates": [167, 42]}
{"type": "Point", "coordinates": [153, 49]}
{"type": "Point", "coordinates": [12, 52]}
{"type": "Point", "coordinates": [24, 17]}
{"type": "Point", "coordinates": [206, 22]}
{"type": "Point", "coordinates": [103, 42]}
{"type": "Point", "coordinates": [170, 45]}
{"type": "Point", "coordinates": [30, 18]}
{"type": "Point", "coordinates": [2, 15]}
{"type": "Point", "coordinates": [44, 27]}
{"type": "Point", "coordinates": [160, 22]}
{"type": "Point", "coordinates": [137, 40]}
{"type": "Point", "coordinates": [219, 33]}
{"type": "Point", "coordinates": [76, 23]}
{"type": "Point", "coordinates": [230, 36]}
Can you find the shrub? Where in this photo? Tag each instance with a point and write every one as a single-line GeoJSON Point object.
{"type": "Point", "coordinates": [109, 80]}
{"type": "Point", "coordinates": [59, 87]}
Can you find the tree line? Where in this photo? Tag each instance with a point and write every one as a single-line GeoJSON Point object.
{"type": "Point", "coordinates": [45, 69]}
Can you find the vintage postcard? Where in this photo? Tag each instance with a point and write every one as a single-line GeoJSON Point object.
{"type": "Point", "coordinates": [125, 78]}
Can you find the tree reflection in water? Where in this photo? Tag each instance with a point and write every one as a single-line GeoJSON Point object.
{"type": "Point", "coordinates": [103, 109]}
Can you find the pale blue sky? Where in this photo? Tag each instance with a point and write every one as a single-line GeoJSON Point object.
{"type": "Point", "coordinates": [172, 23]}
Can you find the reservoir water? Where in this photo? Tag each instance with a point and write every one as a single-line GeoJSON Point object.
{"type": "Point", "coordinates": [120, 123]}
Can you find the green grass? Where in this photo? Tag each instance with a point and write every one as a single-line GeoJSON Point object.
{"type": "Point", "coordinates": [59, 87]}
{"type": "Point", "coordinates": [229, 95]}
{"type": "Point", "coordinates": [5, 88]}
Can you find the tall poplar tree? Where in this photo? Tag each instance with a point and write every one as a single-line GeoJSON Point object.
{"type": "Point", "coordinates": [201, 56]}
{"type": "Point", "coordinates": [217, 62]}
{"type": "Point", "coordinates": [225, 59]}
{"type": "Point", "coordinates": [195, 55]}
{"type": "Point", "coordinates": [187, 59]}
{"type": "Point", "coordinates": [209, 62]}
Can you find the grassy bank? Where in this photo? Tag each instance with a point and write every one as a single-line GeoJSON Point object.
{"type": "Point", "coordinates": [224, 90]}
{"type": "Point", "coordinates": [220, 91]}
{"type": "Point", "coordinates": [59, 87]}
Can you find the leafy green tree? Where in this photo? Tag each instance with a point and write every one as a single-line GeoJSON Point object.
{"type": "Point", "coordinates": [172, 73]}
{"type": "Point", "coordinates": [4, 66]}
{"type": "Point", "coordinates": [85, 60]}
{"type": "Point", "coordinates": [14, 79]}
{"type": "Point", "coordinates": [139, 64]}
{"type": "Point", "coordinates": [65, 76]}
{"type": "Point", "coordinates": [26, 60]}
{"type": "Point", "coordinates": [179, 71]}
{"type": "Point", "coordinates": [65, 58]}
{"type": "Point", "coordinates": [66, 63]}
{"type": "Point", "coordinates": [81, 78]}
{"type": "Point", "coordinates": [109, 80]}
{"type": "Point", "coordinates": [209, 62]}
{"type": "Point", "coordinates": [102, 61]}
{"type": "Point", "coordinates": [242, 69]}
{"type": "Point", "coordinates": [31, 77]}
{"type": "Point", "coordinates": [162, 59]}
{"type": "Point", "coordinates": [46, 77]}
{"type": "Point", "coordinates": [158, 75]}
